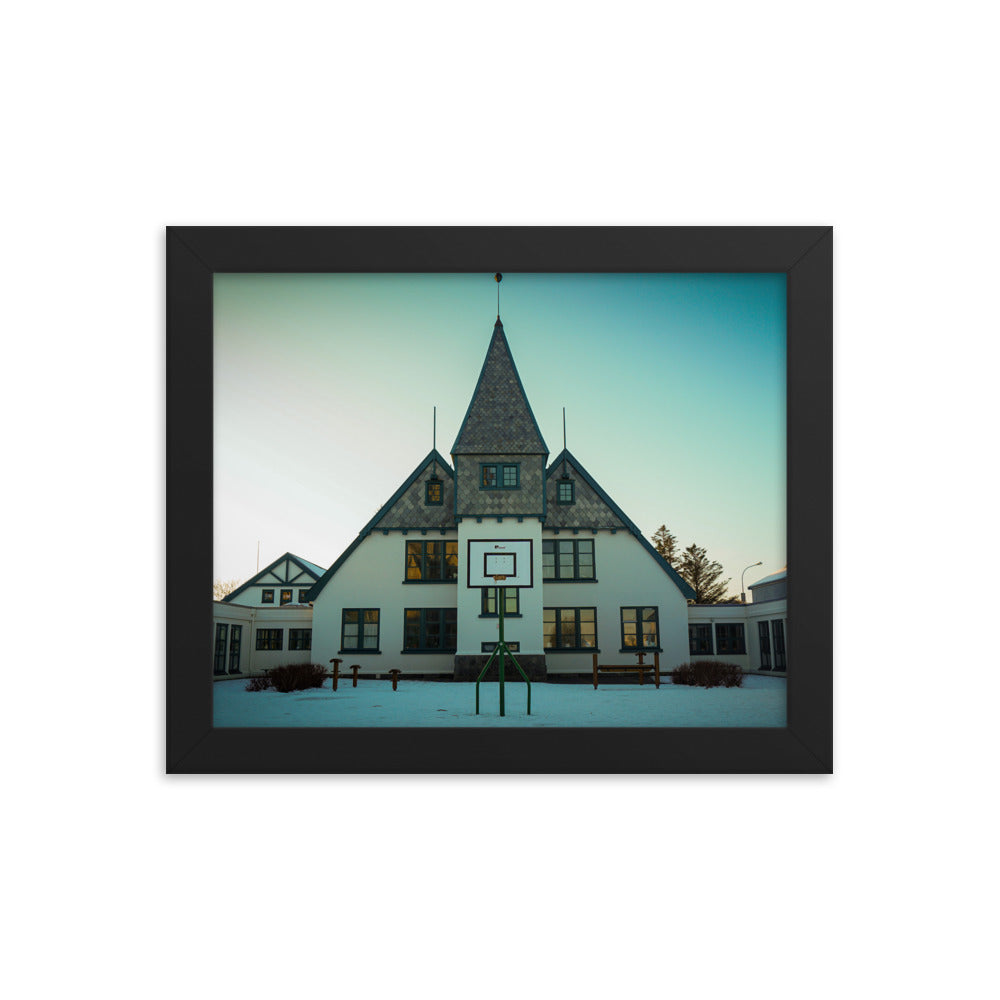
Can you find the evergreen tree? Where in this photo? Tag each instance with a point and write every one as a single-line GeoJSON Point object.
{"type": "Point", "coordinates": [703, 575]}
{"type": "Point", "coordinates": [665, 543]}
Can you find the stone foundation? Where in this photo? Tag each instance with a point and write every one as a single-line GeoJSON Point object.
{"type": "Point", "coordinates": [467, 668]}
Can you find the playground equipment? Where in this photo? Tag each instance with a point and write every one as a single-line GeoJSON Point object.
{"type": "Point", "coordinates": [500, 564]}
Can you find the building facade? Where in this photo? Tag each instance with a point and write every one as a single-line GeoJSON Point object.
{"type": "Point", "coordinates": [402, 594]}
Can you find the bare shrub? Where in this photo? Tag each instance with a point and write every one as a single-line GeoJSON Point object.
{"type": "Point", "coordinates": [708, 674]}
{"type": "Point", "coordinates": [297, 677]}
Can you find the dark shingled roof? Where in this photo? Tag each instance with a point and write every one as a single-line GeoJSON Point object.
{"type": "Point", "coordinates": [499, 419]}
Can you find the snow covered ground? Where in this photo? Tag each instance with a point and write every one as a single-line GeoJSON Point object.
{"type": "Point", "coordinates": [760, 702]}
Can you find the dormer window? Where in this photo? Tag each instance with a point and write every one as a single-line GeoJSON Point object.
{"type": "Point", "coordinates": [433, 494]}
{"type": "Point", "coordinates": [499, 477]}
{"type": "Point", "coordinates": [565, 490]}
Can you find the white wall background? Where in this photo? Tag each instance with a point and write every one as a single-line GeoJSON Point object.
{"type": "Point", "coordinates": [874, 116]}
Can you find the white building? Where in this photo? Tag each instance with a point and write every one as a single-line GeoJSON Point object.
{"type": "Point", "coordinates": [267, 621]}
{"type": "Point", "coordinates": [750, 635]}
{"type": "Point", "coordinates": [400, 595]}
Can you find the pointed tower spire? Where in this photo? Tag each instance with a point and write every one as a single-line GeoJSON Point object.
{"type": "Point", "coordinates": [499, 418]}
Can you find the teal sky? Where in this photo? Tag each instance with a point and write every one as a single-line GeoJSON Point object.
{"type": "Point", "coordinates": [674, 389]}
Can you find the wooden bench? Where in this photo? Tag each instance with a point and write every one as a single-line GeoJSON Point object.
{"type": "Point", "coordinates": [641, 668]}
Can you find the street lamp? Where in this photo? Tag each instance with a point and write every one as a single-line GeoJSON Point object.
{"type": "Point", "coordinates": [743, 596]}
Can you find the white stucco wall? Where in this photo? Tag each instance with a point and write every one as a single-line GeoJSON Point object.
{"type": "Point", "coordinates": [374, 577]}
{"type": "Point", "coordinates": [627, 575]}
{"type": "Point", "coordinates": [474, 630]}
{"type": "Point", "coordinates": [255, 661]}
{"type": "Point", "coordinates": [749, 615]}
{"type": "Point", "coordinates": [251, 597]}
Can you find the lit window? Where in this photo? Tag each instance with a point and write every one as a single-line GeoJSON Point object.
{"type": "Point", "coordinates": [433, 496]}
{"type": "Point", "coordinates": [569, 628]}
{"type": "Point", "coordinates": [640, 629]}
{"type": "Point", "coordinates": [267, 597]}
{"type": "Point", "coordinates": [286, 597]}
{"type": "Point", "coordinates": [431, 562]}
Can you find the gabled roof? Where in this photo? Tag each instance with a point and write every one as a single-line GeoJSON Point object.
{"type": "Point", "coordinates": [433, 456]}
{"type": "Point", "coordinates": [303, 564]}
{"type": "Point", "coordinates": [556, 467]}
{"type": "Point", "coordinates": [499, 418]}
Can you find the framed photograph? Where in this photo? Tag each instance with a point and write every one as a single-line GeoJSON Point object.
{"type": "Point", "coordinates": [332, 459]}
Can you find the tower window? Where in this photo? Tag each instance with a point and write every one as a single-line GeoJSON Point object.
{"type": "Point", "coordinates": [433, 496]}
{"type": "Point", "coordinates": [565, 491]}
{"type": "Point", "coordinates": [499, 477]}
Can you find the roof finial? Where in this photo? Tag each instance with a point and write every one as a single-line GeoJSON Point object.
{"type": "Point", "coordinates": [498, 277]}
{"type": "Point", "coordinates": [564, 472]}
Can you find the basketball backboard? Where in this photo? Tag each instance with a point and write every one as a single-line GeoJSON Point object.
{"type": "Point", "coordinates": [507, 557]}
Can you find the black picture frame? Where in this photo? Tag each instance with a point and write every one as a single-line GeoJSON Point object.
{"type": "Point", "coordinates": [195, 254]}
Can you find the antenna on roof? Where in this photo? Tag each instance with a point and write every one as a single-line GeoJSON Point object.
{"type": "Point", "coordinates": [498, 277]}
{"type": "Point", "coordinates": [564, 442]}
{"type": "Point", "coordinates": [435, 439]}
{"type": "Point", "coordinates": [258, 555]}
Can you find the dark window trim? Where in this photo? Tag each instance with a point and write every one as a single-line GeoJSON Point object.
{"type": "Point", "coordinates": [423, 543]}
{"type": "Point", "coordinates": [261, 638]}
{"type": "Point", "coordinates": [221, 640]}
{"type": "Point", "coordinates": [764, 643]}
{"type": "Point", "coordinates": [281, 599]}
{"type": "Point", "coordinates": [499, 468]}
{"type": "Point", "coordinates": [267, 596]}
{"type": "Point", "coordinates": [361, 631]}
{"type": "Point", "coordinates": [707, 634]}
{"type": "Point", "coordinates": [488, 647]}
{"type": "Point", "coordinates": [560, 483]}
{"type": "Point", "coordinates": [304, 633]}
{"type": "Point", "coordinates": [423, 648]}
{"type": "Point", "coordinates": [428, 486]}
{"type": "Point", "coordinates": [484, 597]}
{"type": "Point", "coordinates": [780, 654]}
{"type": "Point", "coordinates": [741, 638]}
{"type": "Point", "coordinates": [576, 543]}
{"type": "Point", "coordinates": [235, 648]}
{"type": "Point", "coordinates": [638, 608]}
{"type": "Point", "coordinates": [577, 632]}
{"type": "Point", "coordinates": [303, 594]}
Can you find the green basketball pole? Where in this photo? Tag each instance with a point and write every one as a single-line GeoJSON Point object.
{"type": "Point", "coordinates": [503, 652]}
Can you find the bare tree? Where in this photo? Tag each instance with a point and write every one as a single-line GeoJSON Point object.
{"type": "Point", "coordinates": [222, 588]}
